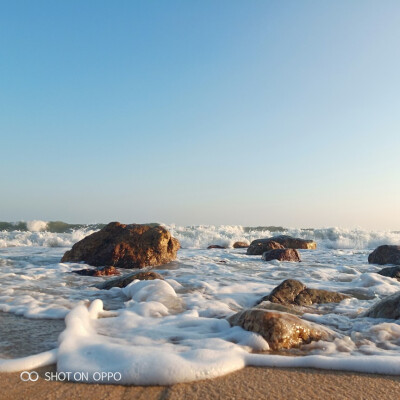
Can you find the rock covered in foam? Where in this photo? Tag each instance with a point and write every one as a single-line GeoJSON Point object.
{"type": "Point", "coordinates": [391, 272]}
{"type": "Point", "coordinates": [389, 308]}
{"type": "Point", "coordinates": [292, 291]}
{"type": "Point", "coordinates": [155, 290]}
{"type": "Point", "coordinates": [282, 255]}
{"type": "Point", "coordinates": [127, 279]}
{"type": "Point", "coordinates": [125, 246]}
{"type": "Point", "coordinates": [281, 330]}
{"type": "Point", "coordinates": [385, 254]}
{"type": "Point", "coordinates": [215, 246]}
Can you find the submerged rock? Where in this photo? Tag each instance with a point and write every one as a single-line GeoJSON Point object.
{"type": "Point", "coordinates": [282, 255]}
{"type": "Point", "coordinates": [125, 246]}
{"type": "Point", "coordinates": [281, 330]}
{"type": "Point", "coordinates": [295, 292]}
{"type": "Point", "coordinates": [240, 245]}
{"type": "Point", "coordinates": [385, 254]}
{"type": "Point", "coordinates": [391, 272]}
{"type": "Point", "coordinates": [105, 271]}
{"type": "Point", "coordinates": [260, 246]}
{"type": "Point", "coordinates": [216, 246]}
{"type": "Point", "coordinates": [389, 308]}
{"type": "Point", "coordinates": [127, 279]}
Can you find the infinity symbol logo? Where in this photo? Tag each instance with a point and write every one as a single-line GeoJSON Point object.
{"type": "Point", "coordinates": [29, 376]}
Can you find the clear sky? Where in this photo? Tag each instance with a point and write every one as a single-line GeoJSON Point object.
{"type": "Point", "coordinates": [201, 112]}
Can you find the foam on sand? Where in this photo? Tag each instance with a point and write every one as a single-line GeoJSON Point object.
{"type": "Point", "coordinates": [29, 363]}
{"type": "Point", "coordinates": [148, 357]}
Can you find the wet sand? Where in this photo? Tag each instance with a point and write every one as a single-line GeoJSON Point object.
{"type": "Point", "coordinates": [250, 383]}
{"type": "Point", "coordinates": [21, 337]}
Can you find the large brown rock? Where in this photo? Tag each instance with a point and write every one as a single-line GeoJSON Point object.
{"type": "Point", "coordinates": [295, 292]}
{"type": "Point", "coordinates": [127, 279]}
{"type": "Point", "coordinates": [125, 246]}
{"type": "Point", "coordinates": [391, 272]}
{"type": "Point", "coordinates": [259, 246]}
{"type": "Point", "coordinates": [281, 330]}
{"type": "Point", "coordinates": [389, 308]}
{"type": "Point", "coordinates": [385, 254]}
{"type": "Point", "coordinates": [290, 242]}
{"type": "Point", "coordinates": [282, 255]}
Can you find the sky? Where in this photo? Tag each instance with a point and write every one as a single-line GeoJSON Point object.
{"type": "Point", "coordinates": [201, 112]}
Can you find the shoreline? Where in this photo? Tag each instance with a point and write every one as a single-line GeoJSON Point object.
{"type": "Point", "coordinates": [249, 383]}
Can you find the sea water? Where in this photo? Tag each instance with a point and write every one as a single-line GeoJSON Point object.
{"type": "Point", "coordinates": [163, 332]}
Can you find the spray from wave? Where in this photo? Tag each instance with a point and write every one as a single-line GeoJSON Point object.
{"type": "Point", "coordinates": [62, 234]}
{"type": "Point", "coordinates": [48, 226]}
{"type": "Point", "coordinates": [331, 238]}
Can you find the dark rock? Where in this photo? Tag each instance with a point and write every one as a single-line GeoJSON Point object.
{"type": "Point", "coordinates": [105, 271]}
{"type": "Point", "coordinates": [389, 308]}
{"type": "Point", "coordinates": [294, 243]}
{"type": "Point", "coordinates": [259, 246]}
{"type": "Point", "coordinates": [385, 255]}
{"type": "Point", "coordinates": [295, 292]}
{"type": "Point", "coordinates": [286, 292]}
{"type": "Point", "coordinates": [127, 279]}
{"type": "Point", "coordinates": [216, 246]}
{"type": "Point", "coordinates": [85, 272]}
{"type": "Point", "coordinates": [318, 296]}
{"type": "Point", "coordinates": [125, 246]}
{"type": "Point", "coordinates": [281, 330]}
{"type": "Point", "coordinates": [391, 272]}
{"type": "Point", "coordinates": [240, 245]}
{"type": "Point", "coordinates": [282, 255]}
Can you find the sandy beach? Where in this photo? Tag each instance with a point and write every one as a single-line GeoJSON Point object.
{"type": "Point", "coordinates": [250, 383]}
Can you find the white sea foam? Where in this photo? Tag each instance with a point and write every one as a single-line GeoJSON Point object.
{"type": "Point", "coordinates": [36, 226]}
{"type": "Point", "coordinates": [29, 363]}
{"type": "Point", "coordinates": [167, 349]}
{"type": "Point", "coordinates": [333, 238]}
{"type": "Point", "coordinates": [41, 238]}
{"type": "Point", "coordinates": [200, 237]}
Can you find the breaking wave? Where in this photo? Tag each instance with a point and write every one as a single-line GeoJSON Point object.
{"type": "Point", "coordinates": [62, 234]}
{"type": "Point", "coordinates": [331, 238]}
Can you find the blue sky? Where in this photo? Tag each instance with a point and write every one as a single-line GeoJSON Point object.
{"type": "Point", "coordinates": [201, 112]}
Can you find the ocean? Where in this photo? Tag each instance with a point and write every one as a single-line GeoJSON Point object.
{"type": "Point", "coordinates": [164, 332]}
